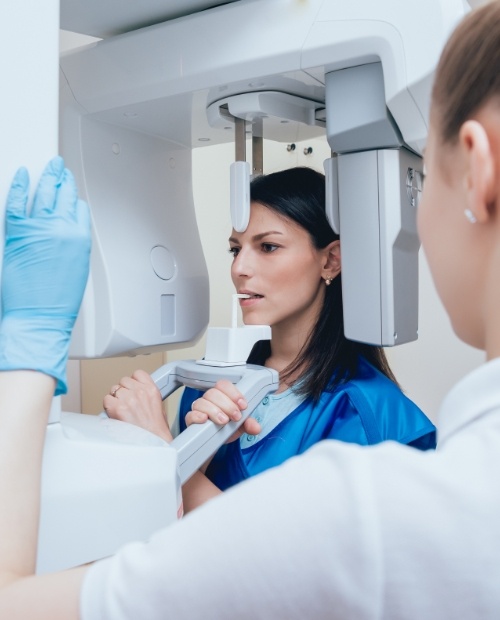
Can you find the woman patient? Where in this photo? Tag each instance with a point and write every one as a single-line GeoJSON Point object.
{"type": "Point", "coordinates": [288, 261]}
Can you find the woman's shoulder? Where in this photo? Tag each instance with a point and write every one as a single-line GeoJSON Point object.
{"type": "Point", "coordinates": [383, 407]}
{"type": "Point", "coordinates": [371, 380]}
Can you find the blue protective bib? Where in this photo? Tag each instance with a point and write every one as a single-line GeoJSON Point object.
{"type": "Point", "coordinates": [366, 410]}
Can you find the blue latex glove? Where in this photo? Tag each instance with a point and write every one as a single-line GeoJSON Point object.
{"type": "Point", "coordinates": [45, 270]}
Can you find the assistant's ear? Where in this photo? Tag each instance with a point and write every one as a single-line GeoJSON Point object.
{"type": "Point", "coordinates": [480, 180]}
{"type": "Point", "coordinates": [332, 265]}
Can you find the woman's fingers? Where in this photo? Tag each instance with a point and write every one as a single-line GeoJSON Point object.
{"type": "Point", "coordinates": [232, 392]}
{"type": "Point", "coordinates": [138, 401]}
{"type": "Point", "coordinates": [195, 417]}
{"type": "Point", "coordinates": [222, 403]}
{"type": "Point", "coordinates": [251, 427]}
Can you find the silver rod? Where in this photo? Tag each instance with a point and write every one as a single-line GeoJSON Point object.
{"type": "Point", "coordinates": [240, 139]}
{"type": "Point", "coordinates": [257, 147]}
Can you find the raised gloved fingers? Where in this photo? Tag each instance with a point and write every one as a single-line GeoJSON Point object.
{"type": "Point", "coordinates": [83, 215]}
{"type": "Point", "coordinates": [17, 198]}
{"type": "Point", "coordinates": [44, 273]}
{"type": "Point", "coordinates": [45, 199]}
{"type": "Point", "coordinates": [66, 196]}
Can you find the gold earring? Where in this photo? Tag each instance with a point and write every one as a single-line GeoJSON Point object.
{"type": "Point", "coordinates": [328, 281]}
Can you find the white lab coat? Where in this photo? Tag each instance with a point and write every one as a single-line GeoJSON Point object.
{"type": "Point", "coordinates": [343, 531]}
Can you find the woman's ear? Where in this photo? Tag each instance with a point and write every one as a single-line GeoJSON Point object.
{"type": "Point", "coordinates": [480, 179]}
{"type": "Point", "coordinates": [333, 263]}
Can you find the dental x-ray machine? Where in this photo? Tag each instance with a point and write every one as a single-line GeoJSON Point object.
{"type": "Point", "coordinates": [165, 76]}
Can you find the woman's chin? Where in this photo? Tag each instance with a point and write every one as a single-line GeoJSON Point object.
{"type": "Point", "coordinates": [253, 319]}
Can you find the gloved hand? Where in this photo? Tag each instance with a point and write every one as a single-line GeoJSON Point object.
{"type": "Point", "coordinates": [45, 270]}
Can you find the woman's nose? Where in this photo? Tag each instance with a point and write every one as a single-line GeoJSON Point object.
{"type": "Point", "coordinates": [242, 266]}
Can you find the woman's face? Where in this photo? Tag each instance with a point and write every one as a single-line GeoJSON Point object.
{"type": "Point", "coordinates": [448, 238]}
{"type": "Point", "coordinates": [276, 263]}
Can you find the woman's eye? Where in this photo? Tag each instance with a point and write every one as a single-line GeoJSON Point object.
{"type": "Point", "coordinates": [269, 247]}
{"type": "Point", "coordinates": [234, 251]}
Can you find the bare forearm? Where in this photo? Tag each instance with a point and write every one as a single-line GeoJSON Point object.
{"type": "Point", "coordinates": [197, 491]}
{"type": "Point", "coordinates": [25, 399]}
{"type": "Point", "coordinates": [46, 597]}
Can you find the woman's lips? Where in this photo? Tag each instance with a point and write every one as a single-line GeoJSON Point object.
{"type": "Point", "coordinates": [250, 299]}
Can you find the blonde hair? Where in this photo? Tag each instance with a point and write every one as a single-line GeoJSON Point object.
{"type": "Point", "coordinates": [468, 73]}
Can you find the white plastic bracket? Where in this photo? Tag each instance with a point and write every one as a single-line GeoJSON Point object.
{"type": "Point", "coordinates": [240, 195]}
{"type": "Point", "coordinates": [332, 193]}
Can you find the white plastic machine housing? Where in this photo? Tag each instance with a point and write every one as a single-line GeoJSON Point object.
{"type": "Point", "coordinates": [132, 107]}
{"type": "Point", "coordinates": [135, 104]}
{"type": "Point", "coordinates": [148, 285]}
{"type": "Point", "coordinates": [373, 188]}
{"type": "Point", "coordinates": [106, 483]}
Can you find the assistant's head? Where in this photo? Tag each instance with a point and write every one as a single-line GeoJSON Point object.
{"type": "Point", "coordinates": [458, 215]}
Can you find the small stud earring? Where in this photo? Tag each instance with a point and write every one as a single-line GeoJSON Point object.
{"type": "Point", "coordinates": [470, 216]}
{"type": "Point", "coordinates": [328, 281]}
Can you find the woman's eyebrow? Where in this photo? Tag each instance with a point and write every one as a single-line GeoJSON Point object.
{"type": "Point", "coordinates": [257, 237]}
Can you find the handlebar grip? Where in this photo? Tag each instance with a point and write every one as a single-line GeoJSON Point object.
{"type": "Point", "coordinates": [199, 441]}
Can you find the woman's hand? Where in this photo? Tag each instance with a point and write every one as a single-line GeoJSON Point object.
{"type": "Point", "coordinates": [137, 400]}
{"type": "Point", "coordinates": [221, 404]}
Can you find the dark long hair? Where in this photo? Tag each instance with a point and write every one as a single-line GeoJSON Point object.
{"type": "Point", "coordinates": [328, 358]}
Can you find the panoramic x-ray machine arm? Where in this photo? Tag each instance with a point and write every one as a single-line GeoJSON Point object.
{"type": "Point", "coordinates": [133, 105]}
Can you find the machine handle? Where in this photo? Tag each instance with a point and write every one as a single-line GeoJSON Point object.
{"type": "Point", "coordinates": [199, 441]}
